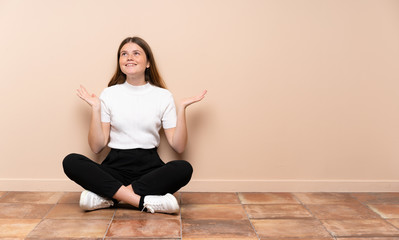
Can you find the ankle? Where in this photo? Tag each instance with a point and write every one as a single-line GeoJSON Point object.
{"type": "Point", "coordinates": [141, 202]}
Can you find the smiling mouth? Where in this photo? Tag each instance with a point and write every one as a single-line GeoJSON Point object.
{"type": "Point", "coordinates": [130, 64]}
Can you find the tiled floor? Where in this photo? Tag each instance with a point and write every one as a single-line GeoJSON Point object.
{"type": "Point", "coordinates": [277, 216]}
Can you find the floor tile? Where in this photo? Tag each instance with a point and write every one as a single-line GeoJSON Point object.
{"type": "Point", "coordinates": [360, 228]}
{"type": "Point", "coordinates": [277, 211]}
{"type": "Point", "coordinates": [394, 222]}
{"type": "Point", "coordinates": [130, 213]}
{"type": "Point", "coordinates": [24, 210]}
{"type": "Point", "coordinates": [386, 210]}
{"type": "Point", "coordinates": [289, 228]}
{"type": "Point", "coordinates": [17, 228]}
{"type": "Point", "coordinates": [318, 238]}
{"type": "Point", "coordinates": [70, 197]}
{"type": "Point", "coordinates": [178, 197]}
{"type": "Point", "coordinates": [70, 228]}
{"type": "Point", "coordinates": [142, 238]}
{"type": "Point", "coordinates": [370, 238]}
{"type": "Point", "coordinates": [325, 198]}
{"type": "Point", "coordinates": [342, 211]}
{"type": "Point", "coordinates": [208, 229]}
{"type": "Point", "coordinates": [377, 198]}
{"type": "Point", "coordinates": [267, 198]}
{"type": "Point", "coordinates": [221, 238]}
{"type": "Point", "coordinates": [73, 211]}
{"type": "Point", "coordinates": [167, 228]}
{"type": "Point", "coordinates": [233, 216]}
{"type": "Point", "coordinates": [209, 198]}
{"type": "Point", "coordinates": [32, 197]}
{"type": "Point", "coordinates": [64, 238]}
{"type": "Point", "coordinates": [213, 211]}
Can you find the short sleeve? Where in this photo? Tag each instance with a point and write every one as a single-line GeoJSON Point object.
{"type": "Point", "coordinates": [105, 113]}
{"type": "Point", "coordinates": [169, 117]}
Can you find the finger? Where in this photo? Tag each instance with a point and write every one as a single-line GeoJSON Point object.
{"type": "Point", "coordinates": [80, 90]}
{"type": "Point", "coordinates": [201, 96]}
{"type": "Point", "coordinates": [81, 97]}
{"type": "Point", "coordinates": [84, 90]}
{"type": "Point", "coordinates": [83, 93]}
{"type": "Point", "coordinates": [79, 93]}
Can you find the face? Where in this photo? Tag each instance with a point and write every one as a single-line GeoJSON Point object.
{"type": "Point", "coordinates": [132, 59]}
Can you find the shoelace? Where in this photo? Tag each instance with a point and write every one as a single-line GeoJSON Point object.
{"type": "Point", "coordinates": [102, 200]}
{"type": "Point", "coordinates": [99, 199]}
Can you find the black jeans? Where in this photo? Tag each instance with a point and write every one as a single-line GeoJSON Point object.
{"type": "Point", "coordinates": [142, 168]}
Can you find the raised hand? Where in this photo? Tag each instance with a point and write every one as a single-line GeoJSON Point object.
{"type": "Point", "coordinates": [91, 99]}
{"type": "Point", "coordinates": [188, 101]}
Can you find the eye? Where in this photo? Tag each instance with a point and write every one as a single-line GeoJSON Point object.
{"type": "Point", "coordinates": [123, 53]}
{"type": "Point", "coordinates": [136, 53]}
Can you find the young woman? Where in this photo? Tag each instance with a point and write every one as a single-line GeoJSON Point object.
{"type": "Point", "coordinates": [127, 117]}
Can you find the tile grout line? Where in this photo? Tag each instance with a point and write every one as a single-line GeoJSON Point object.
{"type": "Point", "coordinates": [181, 219]}
{"type": "Point", "coordinates": [381, 217]}
{"type": "Point", "coordinates": [44, 217]}
{"type": "Point", "coordinates": [246, 213]}
{"type": "Point", "coordinates": [386, 221]}
{"type": "Point", "coordinates": [314, 217]}
{"type": "Point", "coordinates": [109, 224]}
{"type": "Point", "coordinates": [7, 192]}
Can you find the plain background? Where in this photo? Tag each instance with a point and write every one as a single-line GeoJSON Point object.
{"type": "Point", "coordinates": [303, 95]}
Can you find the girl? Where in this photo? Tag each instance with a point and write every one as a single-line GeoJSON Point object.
{"type": "Point", "coordinates": [127, 117]}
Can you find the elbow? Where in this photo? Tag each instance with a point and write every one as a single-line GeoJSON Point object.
{"type": "Point", "coordinates": [178, 143]}
{"type": "Point", "coordinates": [179, 149]}
{"type": "Point", "coordinates": [97, 146]}
{"type": "Point", "coordinates": [96, 149]}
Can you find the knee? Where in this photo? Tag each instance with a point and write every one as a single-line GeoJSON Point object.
{"type": "Point", "coordinates": [69, 162]}
{"type": "Point", "coordinates": [185, 169]}
{"type": "Point", "coordinates": [189, 168]}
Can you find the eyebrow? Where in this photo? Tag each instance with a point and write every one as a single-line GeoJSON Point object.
{"type": "Point", "coordinates": [137, 50]}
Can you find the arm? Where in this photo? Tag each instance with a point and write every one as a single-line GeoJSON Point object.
{"type": "Point", "coordinates": [177, 137]}
{"type": "Point", "coordinates": [98, 131]}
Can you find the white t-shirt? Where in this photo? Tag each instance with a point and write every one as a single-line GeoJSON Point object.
{"type": "Point", "coordinates": [136, 114]}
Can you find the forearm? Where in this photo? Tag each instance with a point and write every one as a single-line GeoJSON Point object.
{"type": "Point", "coordinates": [180, 133]}
{"type": "Point", "coordinates": [96, 134]}
{"type": "Point", "coordinates": [177, 137]}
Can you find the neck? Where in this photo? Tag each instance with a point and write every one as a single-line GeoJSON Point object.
{"type": "Point", "coordinates": [136, 80]}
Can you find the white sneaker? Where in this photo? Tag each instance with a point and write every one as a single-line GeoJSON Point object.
{"type": "Point", "coordinates": [91, 201]}
{"type": "Point", "coordinates": [162, 204]}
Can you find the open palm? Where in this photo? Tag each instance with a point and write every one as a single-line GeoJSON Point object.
{"type": "Point", "coordinates": [188, 101]}
{"type": "Point", "coordinates": [91, 99]}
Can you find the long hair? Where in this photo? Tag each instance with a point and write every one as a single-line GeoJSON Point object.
{"type": "Point", "coordinates": [151, 74]}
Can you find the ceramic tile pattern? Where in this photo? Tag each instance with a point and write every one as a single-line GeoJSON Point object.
{"type": "Point", "coordinates": [233, 216]}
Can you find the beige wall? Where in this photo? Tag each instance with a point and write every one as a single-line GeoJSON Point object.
{"type": "Point", "coordinates": [302, 95]}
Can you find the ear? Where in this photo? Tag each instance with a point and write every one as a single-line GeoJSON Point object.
{"type": "Point", "coordinates": [148, 64]}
